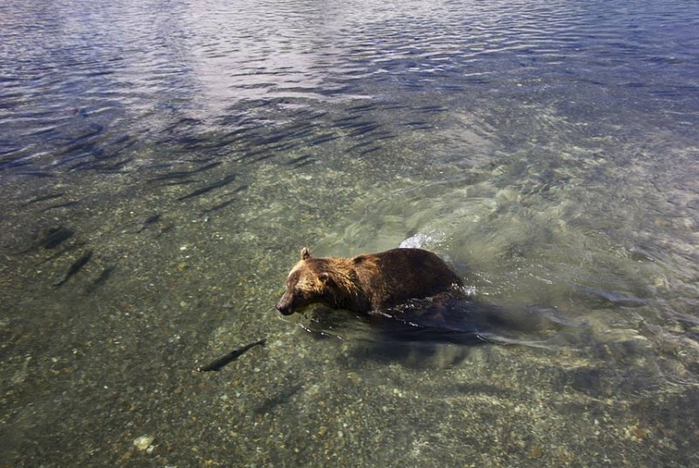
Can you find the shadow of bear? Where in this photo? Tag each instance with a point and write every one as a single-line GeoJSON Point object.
{"type": "Point", "coordinates": [439, 330]}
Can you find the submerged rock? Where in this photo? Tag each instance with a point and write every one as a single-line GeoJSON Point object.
{"type": "Point", "coordinates": [142, 443]}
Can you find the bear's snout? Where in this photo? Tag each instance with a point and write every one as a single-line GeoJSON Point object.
{"type": "Point", "coordinates": [285, 305]}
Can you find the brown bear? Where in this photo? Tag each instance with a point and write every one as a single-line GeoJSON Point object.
{"type": "Point", "coordinates": [366, 283]}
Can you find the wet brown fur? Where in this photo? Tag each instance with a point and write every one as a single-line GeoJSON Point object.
{"type": "Point", "coordinates": [368, 282]}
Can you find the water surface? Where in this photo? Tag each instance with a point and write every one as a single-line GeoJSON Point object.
{"type": "Point", "coordinates": [163, 162]}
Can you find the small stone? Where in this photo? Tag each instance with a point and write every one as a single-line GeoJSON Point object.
{"type": "Point", "coordinates": [142, 443]}
{"type": "Point", "coordinates": [536, 452]}
{"type": "Point", "coordinates": [640, 433]}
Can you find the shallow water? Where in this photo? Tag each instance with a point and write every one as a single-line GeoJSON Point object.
{"type": "Point", "coordinates": [163, 162]}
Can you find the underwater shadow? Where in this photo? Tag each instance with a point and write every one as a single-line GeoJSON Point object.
{"type": "Point", "coordinates": [438, 331]}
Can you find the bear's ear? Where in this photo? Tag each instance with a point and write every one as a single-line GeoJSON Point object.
{"type": "Point", "coordinates": [305, 254]}
{"type": "Point", "coordinates": [359, 259]}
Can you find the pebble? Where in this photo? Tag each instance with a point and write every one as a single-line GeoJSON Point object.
{"type": "Point", "coordinates": [142, 443]}
{"type": "Point", "coordinates": [536, 452]}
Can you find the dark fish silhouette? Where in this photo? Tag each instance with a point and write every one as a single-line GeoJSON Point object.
{"type": "Point", "coordinates": [152, 219]}
{"type": "Point", "coordinates": [324, 139]}
{"type": "Point", "coordinates": [363, 107]}
{"type": "Point", "coordinates": [348, 119]}
{"type": "Point", "coordinates": [185, 174]}
{"type": "Point", "coordinates": [44, 198]}
{"type": "Point", "coordinates": [62, 205]}
{"type": "Point", "coordinates": [74, 268]}
{"type": "Point", "coordinates": [55, 237]}
{"type": "Point", "coordinates": [52, 239]}
{"type": "Point", "coordinates": [281, 398]}
{"type": "Point", "coordinates": [300, 161]}
{"type": "Point", "coordinates": [93, 131]}
{"type": "Point", "coordinates": [101, 279]}
{"type": "Point", "coordinates": [224, 204]}
{"type": "Point", "coordinates": [431, 109]}
{"type": "Point", "coordinates": [232, 356]}
{"type": "Point", "coordinates": [359, 127]}
{"type": "Point", "coordinates": [221, 183]}
{"type": "Point", "coordinates": [37, 174]}
{"type": "Point", "coordinates": [370, 150]}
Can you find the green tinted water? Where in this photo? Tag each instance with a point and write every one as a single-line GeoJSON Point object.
{"type": "Point", "coordinates": [562, 190]}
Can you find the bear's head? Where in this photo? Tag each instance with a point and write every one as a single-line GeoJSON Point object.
{"type": "Point", "coordinates": [314, 280]}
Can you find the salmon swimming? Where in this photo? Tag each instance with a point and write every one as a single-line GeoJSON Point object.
{"type": "Point", "coordinates": [217, 364]}
{"type": "Point", "coordinates": [74, 268]}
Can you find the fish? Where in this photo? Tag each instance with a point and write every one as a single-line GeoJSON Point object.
{"type": "Point", "coordinates": [418, 124]}
{"type": "Point", "coordinates": [300, 161]}
{"type": "Point", "coordinates": [101, 279]}
{"type": "Point", "coordinates": [152, 219]}
{"type": "Point", "coordinates": [84, 165]}
{"type": "Point", "coordinates": [370, 150]}
{"type": "Point", "coordinates": [94, 130]}
{"type": "Point", "coordinates": [249, 154]}
{"type": "Point", "coordinates": [37, 174]}
{"type": "Point", "coordinates": [227, 202]}
{"type": "Point", "coordinates": [44, 198]}
{"type": "Point", "coordinates": [262, 158]}
{"type": "Point", "coordinates": [365, 128]}
{"type": "Point", "coordinates": [52, 239]}
{"type": "Point", "coordinates": [14, 163]}
{"type": "Point", "coordinates": [324, 139]}
{"type": "Point", "coordinates": [273, 139]}
{"type": "Point", "coordinates": [217, 364]}
{"type": "Point", "coordinates": [221, 183]}
{"type": "Point", "coordinates": [167, 228]}
{"type": "Point", "coordinates": [62, 205]}
{"type": "Point", "coordinates": [393, 107]}
{"type": "Point", "coordinates": [281, 398]}
{"type": "Point", "coordinates": [348, 119]}
{"type": "Point", "coordinates": [304, 163]}
{"type": "Point", "coordinates": [431, 109]}
{"type": "Point", "coordinates": [179, 182]}
{"type": "Point", "coordinates": [363, 107]}
{"type": "Point", "coordinates": [184, 174]}
{"type": "Point", "coordinates": [55, 237]}
{"type": "Point", "coordinates": [303, 133]}
{"type": "Point", "coordinates": [360, 145]}
{"type": "Point", "coordinates": [220, 206]}
{"type": "Point", "coordinates": [74, 268]}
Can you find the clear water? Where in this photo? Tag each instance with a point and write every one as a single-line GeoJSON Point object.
{"type": "Point", "coordinates": [163, 162]}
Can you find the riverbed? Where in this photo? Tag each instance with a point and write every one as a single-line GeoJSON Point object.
{"type": "Point", "coordinates": [162, 163]}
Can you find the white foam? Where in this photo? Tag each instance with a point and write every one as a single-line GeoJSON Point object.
{"type": "Point", "coordinates": [421, 240]}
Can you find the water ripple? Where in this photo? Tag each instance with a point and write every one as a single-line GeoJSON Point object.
{"type": "Point", "coordinates": [240, 68]}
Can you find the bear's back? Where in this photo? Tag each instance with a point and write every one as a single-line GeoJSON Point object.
{"type": "Point", "coordinates": [397, 275]}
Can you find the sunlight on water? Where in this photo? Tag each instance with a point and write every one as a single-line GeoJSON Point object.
{"type": "Point", "coordinates": [163, 163]}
